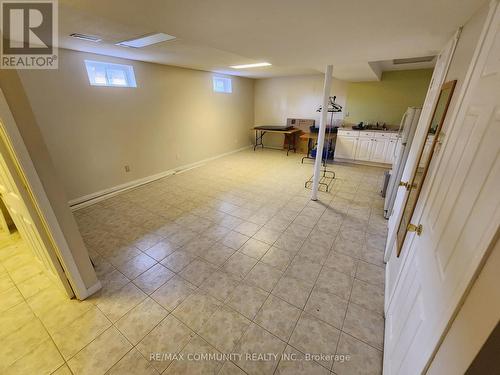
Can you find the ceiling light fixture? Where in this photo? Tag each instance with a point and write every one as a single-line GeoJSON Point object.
{"type": "Point", "coordinates": [413, 60]}
{"type": "Point", "coordinates": [88, 38]}
{"type": "Point", "coordinates": [257, 65]}
{"type": "Point", "coordinates": [147, 40]}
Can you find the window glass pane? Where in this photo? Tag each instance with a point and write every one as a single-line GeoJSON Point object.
{"type": "Point", "coordinates": [222, 84]}
{"type": "Point", "coordinates": [116, 77]}
{"type": "Point", "coordinates": [107, 74]}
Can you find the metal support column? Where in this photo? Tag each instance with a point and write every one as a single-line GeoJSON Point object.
{"type": "Point", "coordinates": [321, 134]}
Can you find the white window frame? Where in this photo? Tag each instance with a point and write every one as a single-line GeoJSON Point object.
{"type": "Point", "coordinates": [108, 68]}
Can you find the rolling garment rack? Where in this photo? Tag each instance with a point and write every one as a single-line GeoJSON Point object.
{"type": "Point", "coordinates": [327, 176]}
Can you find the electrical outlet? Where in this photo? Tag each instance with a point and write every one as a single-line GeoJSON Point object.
{"type": "Point", "coordinates": [127, 168]}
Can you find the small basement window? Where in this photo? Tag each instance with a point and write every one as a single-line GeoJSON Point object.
{"type": "Point", "coordinates": [222, 84]}
{"type": "Point", "coordinates": [108, 74]}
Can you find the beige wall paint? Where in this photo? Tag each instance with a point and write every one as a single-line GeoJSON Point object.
{"type": "Point", "coordinates": [387, 100]}
{"type": "Point", "coordinates": [277, 99]}
{"type": "Point", "coordinates": [172, 118]}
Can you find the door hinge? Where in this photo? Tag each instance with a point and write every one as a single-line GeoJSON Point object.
{"type": "Point", "coordinates": [415, 228]}
{"type": "Point", "coordinates": [407, 185]}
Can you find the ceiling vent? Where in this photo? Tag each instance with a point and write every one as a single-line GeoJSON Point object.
{"type": "Point", "coordinates": [88, 38]}
{"type": "Point", "coordinates": [413, 60]}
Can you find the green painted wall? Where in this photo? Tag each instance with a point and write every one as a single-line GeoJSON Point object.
{"type": "Point", "coordinates": [387, 100]}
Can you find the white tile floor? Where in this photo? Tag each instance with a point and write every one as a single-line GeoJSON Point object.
{"type": "Point", "coordinates": [231, 257]}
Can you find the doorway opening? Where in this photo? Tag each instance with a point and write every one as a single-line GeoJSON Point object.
{"type": "Point", "coordinates": [26, 247]}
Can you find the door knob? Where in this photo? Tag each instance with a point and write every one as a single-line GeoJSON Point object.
{"type": "Point", "coordinates": [407, 185]}
{"type": "Point", "coordinates": [415, 228]}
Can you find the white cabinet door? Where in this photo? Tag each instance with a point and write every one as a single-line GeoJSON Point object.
{"type": "Point", "coordinates": [379, 148]}
{"type": "Point", "coordinates": [364, 149]}
{"type": "Point", "coordinates": [389, 151]}
{"type": "Point", "coordinates": [345, 147]}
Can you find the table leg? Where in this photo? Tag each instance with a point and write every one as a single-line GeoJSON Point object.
{"type": "Point", "coordinates": [291, 142]}
{"type": "Point", "coordinates": [309, 148]}
{"type": "Point", "coordinates": [258, 139]}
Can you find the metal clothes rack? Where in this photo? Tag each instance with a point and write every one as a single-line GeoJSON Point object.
{"type": "Point", "coordinates": [326, 180]}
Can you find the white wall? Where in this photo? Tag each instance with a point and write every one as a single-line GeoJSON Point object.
{"type": "Point", "coordinates": [277, 99]}
{"type": "Point", "coordinates": [172, 118]}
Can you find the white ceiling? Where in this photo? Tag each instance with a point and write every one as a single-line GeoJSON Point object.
{"type": "Point", "coordinates": [297, 36]}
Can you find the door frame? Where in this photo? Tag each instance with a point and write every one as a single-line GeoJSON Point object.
{"type": "Point", "coordinates": [19, 155]}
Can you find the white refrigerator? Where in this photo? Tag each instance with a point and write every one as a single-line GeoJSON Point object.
{"type": "Point", "coordinates": [406, 132]}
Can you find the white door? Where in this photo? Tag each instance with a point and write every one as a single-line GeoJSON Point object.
{"type": "Point", "coordinates": [438, 76]}
{"type": "Point", "coordinates": [426, 151]}
{"type": "Point", "coordinates": [345, 147]}
{"type": "Point", "coordinates": [459, 210]}
{"type": "Point", "coordinates": [364, 150]}
{"type": "Point", "coordinates": [4, 226]}
{"type": "Point", "coordinates": [22, 218]}
{"type": "Point", "coordinates": [379, 149]}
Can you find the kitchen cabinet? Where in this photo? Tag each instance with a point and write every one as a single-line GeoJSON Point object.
{"type": "Point", "coordinates": [366, 146]}
{"type": "Point", "coordinates": [379, 150]}
{"type": "Point", "coordinates": [364, 150]}
{"type": "Point", "coordinates": [389, 152]}
{"type": "Point", "coordinates": [345, 147]}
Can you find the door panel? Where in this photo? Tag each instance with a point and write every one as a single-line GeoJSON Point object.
{"type": "Point", "coordinates": [21, 216]}
{"type": "Point", "coordinates": [379, 149]}
{"type": "Point", "coordinates": [364, 149]}
{"type": "Point", "coordinates": [389, 152]}
{"type": "Point", "coordinates": [345, 147]}
{"type": "Point", "coordinates": [460, 215]}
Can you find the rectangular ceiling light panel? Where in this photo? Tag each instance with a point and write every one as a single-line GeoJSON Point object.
{"type": "Point", "coordinates": [244, 66]}
{"type": "Point", "coordinates": [146, 40]}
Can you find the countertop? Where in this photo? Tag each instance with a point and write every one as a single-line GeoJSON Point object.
{"type": "Point", "coordinates": [369, 130]}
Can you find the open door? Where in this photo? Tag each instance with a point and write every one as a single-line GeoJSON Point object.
{"type": "Point", "coordinates": [458, 213]}
{"type": "Point", "coordinates": [431, 98]}
{"type": "Point", "coordinates": [16, 197]}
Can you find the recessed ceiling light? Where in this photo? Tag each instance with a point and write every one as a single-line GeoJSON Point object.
{"type": "Point", "coordinates": [88, 38]}
{"type": "Point", "coordinates": [147, 40]}
{"type": "Point", "coordinates": [244, 66]}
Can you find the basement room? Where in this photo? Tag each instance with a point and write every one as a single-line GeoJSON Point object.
{"type": "Point", "coordinates": [264, 187]}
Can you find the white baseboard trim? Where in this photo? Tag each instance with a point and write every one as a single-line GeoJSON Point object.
{"type": "Point", "coordinates": [98, 196]}
{"type": "Point", "coordinates": [361, 162]}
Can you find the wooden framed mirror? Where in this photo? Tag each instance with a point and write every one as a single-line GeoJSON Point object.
{"type": "Point", "coordinates": [416, 182]}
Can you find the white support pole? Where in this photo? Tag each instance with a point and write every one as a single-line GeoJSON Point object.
{"type": "Point", "coordinates": [321, 134]}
